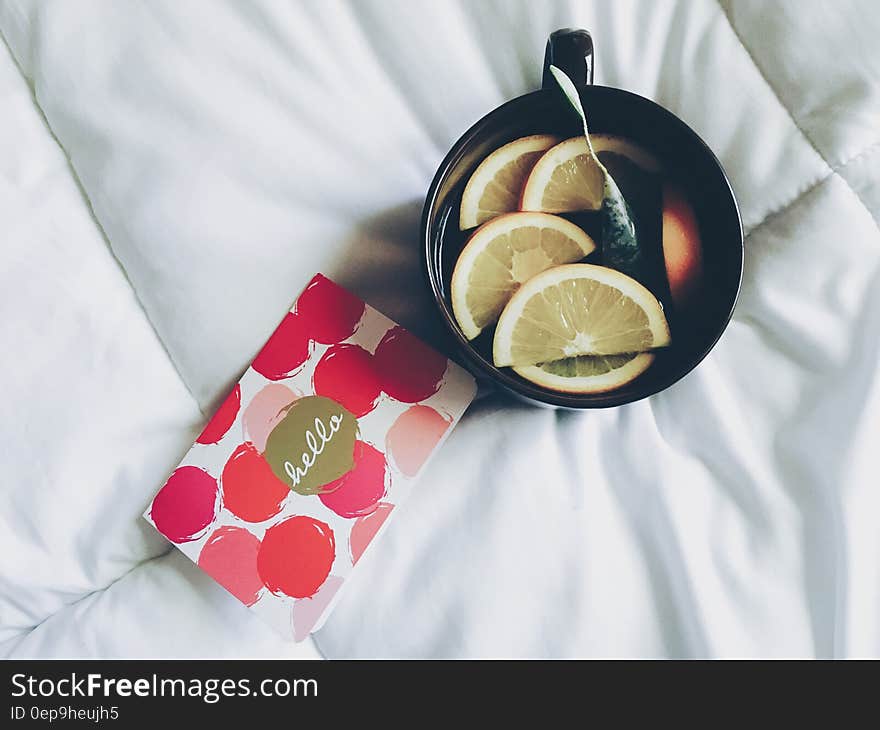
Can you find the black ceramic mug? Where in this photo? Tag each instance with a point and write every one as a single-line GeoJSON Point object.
{"type": "Point", "coordinates": [687, 161]}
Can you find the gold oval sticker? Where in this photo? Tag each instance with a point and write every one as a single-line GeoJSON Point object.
{"type": "Point", "coordinates": [313, 444]}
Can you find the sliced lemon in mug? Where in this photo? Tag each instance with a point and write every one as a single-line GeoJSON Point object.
{"type": "Point", "coordinates": [578, 309]}
{"type": "Point", "coordinates": [494, 187]}
{"type": "Point", "coordinates": [587, 373]}
{"type": "Point", "coordinates": [503, 254]}
{"type": "Point", "coordinates": [604, 144]}
{"type": "Point", "coordinates": [567, 179]}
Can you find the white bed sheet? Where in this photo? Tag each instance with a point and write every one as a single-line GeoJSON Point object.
{"type": "Point", "coordinates": [182, 170]}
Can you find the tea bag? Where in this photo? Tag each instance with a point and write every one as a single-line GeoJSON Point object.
{"type": "Point", "coordinates": [631, 237]}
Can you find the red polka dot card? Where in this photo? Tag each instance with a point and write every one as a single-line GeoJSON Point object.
{"type": "Point", "coordinates": [304, 462]}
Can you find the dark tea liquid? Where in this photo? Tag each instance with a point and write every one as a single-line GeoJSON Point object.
{"type": "Point", "coordinates": [643, 192]}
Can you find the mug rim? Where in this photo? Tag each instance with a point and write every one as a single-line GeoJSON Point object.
{"type": "Point", "coordinates": [521, 388]}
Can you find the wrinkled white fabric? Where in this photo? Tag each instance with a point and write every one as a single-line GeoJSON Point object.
{"type": "Point", "coordinates": [182, 169]}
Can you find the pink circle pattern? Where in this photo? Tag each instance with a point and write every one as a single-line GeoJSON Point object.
{"type": "Point", "coordinates": [403, 369]}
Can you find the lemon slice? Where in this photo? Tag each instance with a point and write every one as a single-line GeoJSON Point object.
{"type": "Point", "coordinates": [578, 309]}
{"type": "Point", "coordinates": [566, 178]}
{"type": "Point", "coordinates": [503, 254]}
{"type": "Point", "coordinates": [495, 186]}
{"type": "Point", "coordinates": [610, 143]}
{"type": "Point", "coordinates": [587, 373]}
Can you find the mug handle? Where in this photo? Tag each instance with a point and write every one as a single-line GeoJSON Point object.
{"type": "Point", "coordinates": [570, 49]}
